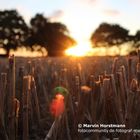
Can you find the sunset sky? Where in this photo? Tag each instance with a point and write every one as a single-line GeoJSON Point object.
{"type": "Point", "coordinates": [82, 17]}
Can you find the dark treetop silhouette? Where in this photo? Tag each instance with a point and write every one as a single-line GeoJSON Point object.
{"type": "Point", "coordinates": [52, 35]}
{"type": "Point", "coordinates": [136, 39]}
{"type": "Point", "coordinates": [109, 34]}
{"type": "Point", "coordinates": [13, 29]}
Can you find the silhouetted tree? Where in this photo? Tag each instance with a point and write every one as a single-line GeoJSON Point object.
{"type": "Point", "coordinates": [137, 39]}
{"type": "Point", "coordinates": [52, 35]}
{"type": "Point", "coordinates": [13, 29]}
{"type": "Point", "coordinates": [109, 35]}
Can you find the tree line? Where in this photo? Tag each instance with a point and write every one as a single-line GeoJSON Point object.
{"type": "Point", "coordinates": [55, 36]}
{"type": "Point", "coordinates": [14, 32]}
{"type": "Point", "coordinates": [108, 35]}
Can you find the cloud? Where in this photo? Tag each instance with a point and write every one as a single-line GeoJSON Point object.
{"type": "Point", "coordinates": [56, 15]}
{"type": "Point", "coordinates": [111, 12]}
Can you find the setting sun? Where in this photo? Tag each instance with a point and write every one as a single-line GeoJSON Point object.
{"type": "Point", "coordinates": [81, 49]}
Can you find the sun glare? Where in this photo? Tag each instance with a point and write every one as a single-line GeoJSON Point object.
{"type": "Point", "coordinates": [81, 49]}
{"type": "Point", "coordinates": [85, 49]}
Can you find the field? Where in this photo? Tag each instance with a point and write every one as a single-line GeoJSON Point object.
{"type": "Point", "coordinates": [100, 90]}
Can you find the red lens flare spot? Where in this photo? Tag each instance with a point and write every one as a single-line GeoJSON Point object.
{"type": "Point", "coordinates": [57, 105]}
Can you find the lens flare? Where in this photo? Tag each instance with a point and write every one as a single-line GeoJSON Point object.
{"type": "Point", "coordinates": [57, 106]}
